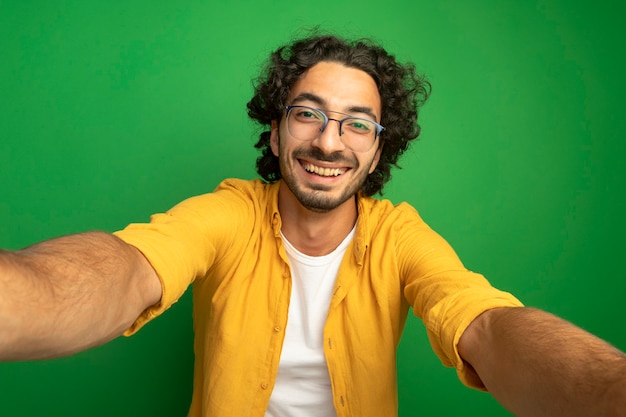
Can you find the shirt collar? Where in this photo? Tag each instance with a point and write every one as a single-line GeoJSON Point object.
{"type": "Point", "coordinates": [360, 241]}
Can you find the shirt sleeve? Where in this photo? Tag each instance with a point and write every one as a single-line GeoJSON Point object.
{"type": "Point", "coordinates": [443, 293]}
{"type": "Point", "coordinates": [183, 243]}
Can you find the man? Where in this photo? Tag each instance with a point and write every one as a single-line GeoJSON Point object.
{"type": "Point", "coordinates": [302, 283]}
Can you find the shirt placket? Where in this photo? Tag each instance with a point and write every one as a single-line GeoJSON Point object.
{"type": "Point", "coordinates": [278, 312]}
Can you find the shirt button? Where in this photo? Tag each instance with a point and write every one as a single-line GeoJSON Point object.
{"type": "Point", "coordinates": [277, 329]}
{"type": "Point", "coordinates": [264, 385]}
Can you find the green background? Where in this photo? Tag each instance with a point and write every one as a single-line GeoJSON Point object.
{"type": "Point", "coordinates": [110, 111]}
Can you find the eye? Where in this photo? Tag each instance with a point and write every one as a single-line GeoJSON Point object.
{"type": "Point", "coordinates": [360, 125]}
{"type": "Point", "coordinates": [307, 114]}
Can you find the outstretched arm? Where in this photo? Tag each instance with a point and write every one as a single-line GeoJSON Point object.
{"type": "Point", "coordinates": [71, 293]}
{"type": "Point", "coordinates": [536, 364]}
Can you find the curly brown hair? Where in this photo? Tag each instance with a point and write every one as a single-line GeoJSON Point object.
{"type": "Point", "coordinates": [402, 93]}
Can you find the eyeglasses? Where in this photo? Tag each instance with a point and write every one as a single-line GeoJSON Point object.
{"type": "Point", "coordinates": [307, 123]}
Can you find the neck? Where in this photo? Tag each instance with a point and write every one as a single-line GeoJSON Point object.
{"type": "Point", "coordinates": [314, 233]}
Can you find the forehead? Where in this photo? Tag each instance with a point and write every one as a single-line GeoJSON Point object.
{"type": "Point", "coordinates": [338, 87]}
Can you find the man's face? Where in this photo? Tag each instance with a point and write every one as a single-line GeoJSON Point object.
{"type": "Point", "coordinates": [323, 173]}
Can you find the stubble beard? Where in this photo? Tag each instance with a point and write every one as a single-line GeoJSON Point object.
{"type": "Point", "coordinates": [316, 197]}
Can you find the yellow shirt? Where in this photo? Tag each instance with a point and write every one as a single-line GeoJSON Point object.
{"type": "Point", "coordinates": [227, 243]}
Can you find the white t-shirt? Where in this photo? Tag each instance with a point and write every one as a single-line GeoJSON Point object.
{"type": "Point", "coordinates": [303, 385]}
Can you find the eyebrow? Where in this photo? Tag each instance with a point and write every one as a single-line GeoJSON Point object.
{"type": "Point", "coordinates": [322, 103]}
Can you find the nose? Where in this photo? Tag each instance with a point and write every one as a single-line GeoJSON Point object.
{"type": "Point", "coordinates": [329, 140]}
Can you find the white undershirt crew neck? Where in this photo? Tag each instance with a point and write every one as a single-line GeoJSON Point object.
{"type": "Point", "coordinates": [302, 385]}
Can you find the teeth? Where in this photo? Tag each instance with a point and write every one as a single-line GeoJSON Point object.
{"type": "Point", "coordinates": [324, 172]}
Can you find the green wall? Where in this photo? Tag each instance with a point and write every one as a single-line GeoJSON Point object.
{"type": "Point", "coordinates": [110, 111]}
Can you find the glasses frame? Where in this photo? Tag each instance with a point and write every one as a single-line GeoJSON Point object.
{"type": "Point", "coordinates": [379, 127]}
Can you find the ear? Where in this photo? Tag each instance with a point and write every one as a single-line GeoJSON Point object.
{"type": "Point", "coordinates": [274, 139]}
{"type": "Point", "coordinates": [379, 151]}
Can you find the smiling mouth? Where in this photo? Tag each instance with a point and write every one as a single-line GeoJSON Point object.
{"type": "Point", "coordinates": [321, 171]}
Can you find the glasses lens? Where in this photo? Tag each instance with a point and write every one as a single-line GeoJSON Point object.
{"type": "Point", "coordinates": [306, 123]}
{"type": "Point", "coordinates": [358, 134]}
